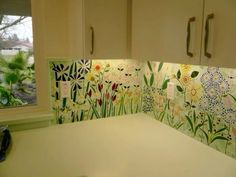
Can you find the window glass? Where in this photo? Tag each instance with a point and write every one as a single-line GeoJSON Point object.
{"type": "Point", "coordinates": [17, 73]}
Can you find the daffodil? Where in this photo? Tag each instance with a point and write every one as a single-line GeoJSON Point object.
{"type": "Point", "coordinates": [194, 91]}
{"type": "Point", "coordinates": [185, 80]}
{"type": "Point", "coordinates": [185, 68]}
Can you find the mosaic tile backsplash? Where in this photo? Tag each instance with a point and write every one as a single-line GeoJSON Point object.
{"type": "Point", "coordinates": [99, 89]}
{"type": "Point", "coordinates": [204, 106]}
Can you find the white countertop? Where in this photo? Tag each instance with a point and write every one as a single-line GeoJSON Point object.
{"type": "Point", "coordinates": [129, 146]}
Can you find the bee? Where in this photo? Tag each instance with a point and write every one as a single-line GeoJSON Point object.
{"type": "Point", "coordinates": [127, 74]}
{"type": "Point", "coordinates": [108, 82]}
{"type": "Point", "coordinates": [120, 69]}
{"type": "Point", "coordinates": [136, 86]}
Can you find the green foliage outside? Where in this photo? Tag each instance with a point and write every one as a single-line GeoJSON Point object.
{"type": "Point", "coordinates": [17, 80]}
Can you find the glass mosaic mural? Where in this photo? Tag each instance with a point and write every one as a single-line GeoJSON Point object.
{"type": "Point", "coordinates": [204, 106]}
{"type": "Point", "coordinates": [98, 89]}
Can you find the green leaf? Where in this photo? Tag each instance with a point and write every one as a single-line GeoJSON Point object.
{"type": "Point", "coordinates": [145, 79]}
{"type": "Point", "coordinates": [177, 126]}
{"type": "Point", "coordinates": [210, 123]}
{"type": "Point", "coordinates": [149, 65]}
{"type": "Point", "coordinates": [194, 74]}
{"type": "Point", "coordinates": [206, 135]}
{"type": "Point", "coordinates": [178, 74]}
{"type": "Point", "coordinates": [233, 97]}
{"type": "Point", "coordinates": [197, 127]}
{"type": "Point", "coordinates": [179, 88]}
{"type": "Point", "coordinates": [160, 66]}
{"type": "Point", "coordinates": [152, 79]}
{"type": "Point", "coordinates": [221, 130]}
{"type": "Point", "coordinates": [11, 78]}
{"type": "Point", "coordinates": [219, 138]}
{"type": "Point", "coordinates": [190, 123]}
{"type": "Point", "coordinates": [164, 85]}
{"type": "Point", "coordinates": [194, 116]}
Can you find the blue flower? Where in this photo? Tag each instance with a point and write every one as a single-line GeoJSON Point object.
{"type": "Point", "coordinates": [230, 116]}
{"type": "Point", "coordinates": [206, 78]}
{"type": "Point", "coordinates": [212, 70]}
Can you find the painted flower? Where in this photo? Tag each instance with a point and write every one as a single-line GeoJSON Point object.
{"type": "Point", "coordinates": [97, 67]}
{"type": "Point", "coordinates": [56, 104]}
{"type": "Point", "coordinates": [107, 95]}
{"type": "Point", "coordinates": [60, 71]}
{"type": "Point", "coordinates": [85, 66]}
{"type": "Point", "coordinates": [99, 102]}
{"type": "Point", "coordinates": [194, 91]}
{"type": "Point", "coordinates": [205, 103]}
{"type": "Point", "coordinates": [212, 92]}
{"type": "Point", "coordinates": [217, 109]}
{"type": "Point", "coordinates": [90, 93]}
{"type": "Point", "coordinates": [76, 81]}
{"type": "Point", "coordinates": [113, 98]}
{"type": "Point", "coordinates": [212, 69]}
{"type": "Point", "coordinates": [100, 87]}
{"type": "Point", "coordinates": [185, 80]}
{"type": "Point", "coordinates": [177, 111]}
{"type": "Point", "coordinates": [114, 87]}
{"type": "Point", "coordinates": [234, 131]}
{"type": "Point", "coordinates": [224, 87]}
{"type": "Point", "coordinates": [159, 99]}
{"type": "Point", "coordinates": [227, 101]}
{"type": "Point", "coordinates": [90, 77]}
{"type": "Point", "coordinates": [185, 68]}
{"type": "Point", "coordinates": [230, 116]}
{"type": "Point", "coordinates": [206, 78]}
{"type": "Point", "coordinates": [217, 77]}
{"type": "Point", "coordinates": [148, 101]}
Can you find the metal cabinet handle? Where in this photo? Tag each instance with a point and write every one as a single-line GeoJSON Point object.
{"type": "Point", "coordinates": [92, 40]}
{"type": "Point", "coordinates": [192, 19]}
{"type": "Point", "coordinates": [206, 40]}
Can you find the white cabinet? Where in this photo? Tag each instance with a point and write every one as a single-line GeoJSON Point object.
{"type": "Point", "coordinates": [92, 28]}
{"type": "Point", "coordinates": [159, 30]}
{"type": "Point", "coordinates": [221, 41]}
{"type": "Point", "coordinates": [162, 31]}
{"type": "Point", "coordinates": [105, 27]}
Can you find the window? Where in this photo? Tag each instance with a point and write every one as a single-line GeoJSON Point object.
{"type": "Point", "coordinates": [17, 74]}
{"type": "Point", "coordinates": [41, 111]}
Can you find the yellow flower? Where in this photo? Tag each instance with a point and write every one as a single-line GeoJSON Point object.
{"type": "Point", "coordinates": [56, 104]}
{"type": "Point", "coordinates": [185, 80]}
{"type": "Point", "coordinates": [90, 77]}
{"type": "Point", "coordinates": [185, 68]}
{"type": "Point", "coordinates": [234, 132]}
{"type": "Point", "coordinates": [194, 91]}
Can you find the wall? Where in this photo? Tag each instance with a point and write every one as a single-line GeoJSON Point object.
{"type": "Point", "coordinates": [204, 106]}
{"type": "Point", "coordinates": [98, 89]}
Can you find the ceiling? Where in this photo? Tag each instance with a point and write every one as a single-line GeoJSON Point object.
{"type": "Point", "coordinates": [15, 7]}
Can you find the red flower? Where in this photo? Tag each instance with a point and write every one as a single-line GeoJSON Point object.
{"type": "Point", "coordinates": [100, 102]}
{"type": "Point", "coordinates": [107, 95]}
{"type": "Point", "coordinates": [113, 98]}
{"type": "Point", "coordinates": [90, 93]}
{"type": "Point", "coordinates": [100, 87]}
{"type": "Point", "coordinates": [97, 67]}
{"type": "Point", "coordinates": [114, 86]}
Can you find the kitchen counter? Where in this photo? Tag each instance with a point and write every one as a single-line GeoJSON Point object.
{"type": "Point", "coordinates": [128, 146]}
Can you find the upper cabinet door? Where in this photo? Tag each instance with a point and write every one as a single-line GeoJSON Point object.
{"type": "Point", "coordinates": [219, 33]}
{"type": "Point", "coordinates": [105, 28]}
{"type": "Point", "coordinates": [167, 30]}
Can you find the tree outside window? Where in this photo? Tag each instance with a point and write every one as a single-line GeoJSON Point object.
{"type": "Point", "coordinates": [17, 74]}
